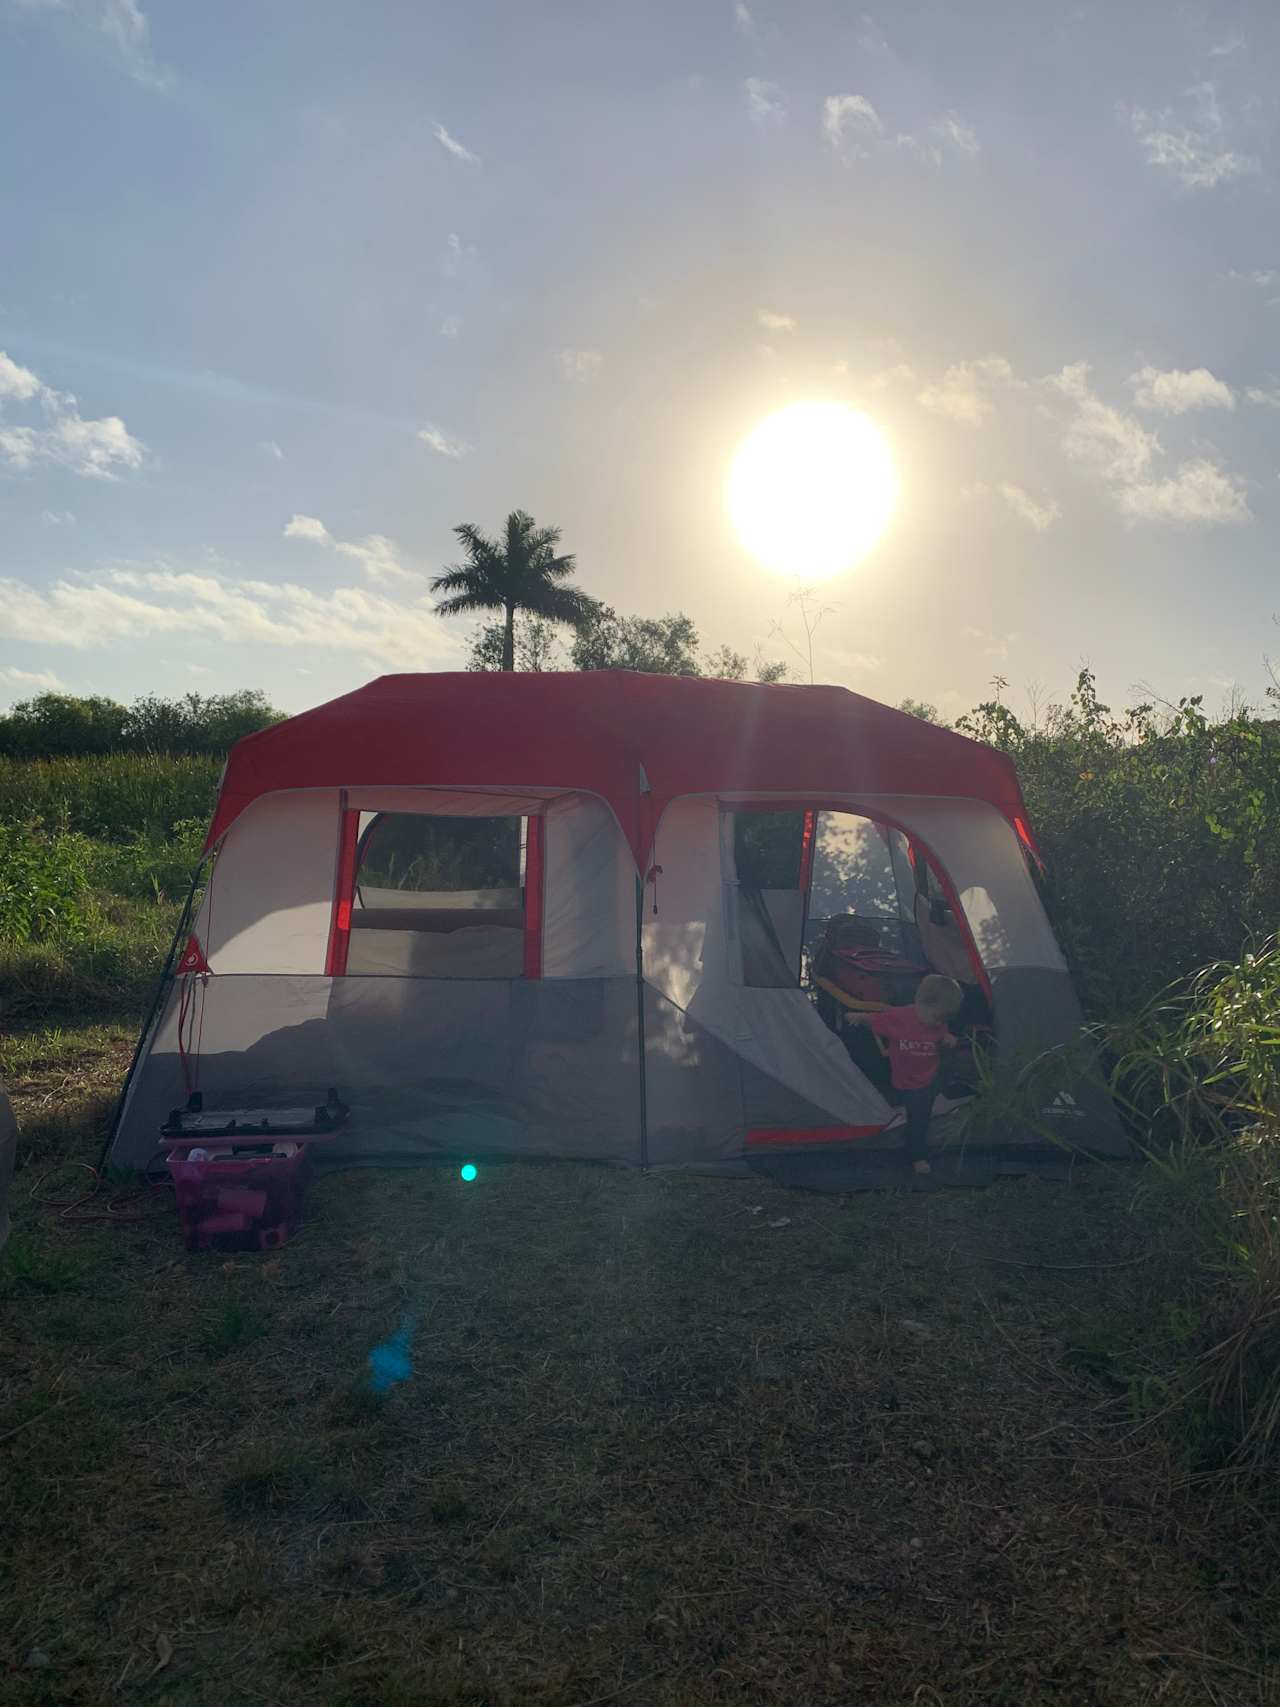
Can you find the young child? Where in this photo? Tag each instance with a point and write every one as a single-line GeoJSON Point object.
{"type": "Point", "coordinates": [911, 1038]}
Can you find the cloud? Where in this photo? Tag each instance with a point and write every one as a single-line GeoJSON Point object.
{"type": "Point", "coordinates": [131, 604]}
{"type": "Point", "coordinates": [1268, 399]}
{"type": "Point", "coordinates": [993, 645]}
{"type": "Point", "coordinates": [580, 365]}
{"type": "Point", "coordinates": [1041, 516]}
{"type": "Point", "coordinates": [273, 449]}
{"type": "Point", "coordinates": [1106, 441]}
{"type": "Point", "coordinates": [1260, 276]}
{"type": "Point", "coordinates": [450, 326]}
{"type": "Point", "coordinates": [43, 681]}
{"type": "Point", "coordinates": [441, 443]}
{"type": "Point", "coordinates": [458, 257]}
{"type": "Point", "coordinates": [1101, 438]}
{"type": "Point", "coordinates": [1192, 148]}
{"type": "Point", "coordinates": [1175, 392]}
{"type": "Point", "coordinates": [90, 448]}
{"type": "Point", "coordinates": [926, 150]}
{"type": "Point", "coordinates": [861, 662]}
{"type": "Point", "coordinates": [1199, 493]}
{"type": "Point", "coordinates": [743, 21]}
{"type": "Point", "coordinates": [1119, 449]}
{"type": "Point", "coordinates": [959, 136]}
{"type": "Point", "coordinates": [459, 150]}
{"type": "Point", "coordinates": [765, 101]}
{"type": "Point", "coordinates": [951, 134]}
{"type": "Point", "coordinates": [58, 518]}
{"type": "Point", "coordinates": [775, 322]}
{"type": "Point", "coordinates": [122, 24]}
{"type": "Point", "coordinates": [962, 394]}
{"type": "Point", "coordinates": [307, 527]}
{"type": "Point", "coordinates": [376, 554]}
{"type": "Point", "coordinates": [898, 373]}
{"type": "Point", "coordinates": [852, 116]}
{"type": "Point", "coordinates": [19, 382]}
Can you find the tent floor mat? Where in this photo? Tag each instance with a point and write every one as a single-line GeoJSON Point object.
{"type": "Point", "coordinates": [952, 1170]}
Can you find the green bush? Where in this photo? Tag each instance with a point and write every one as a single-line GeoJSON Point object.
{"type": "Point", "coordinates": [149, 866]}
{"type": "Point", "coordinates": [43, 882]}
{"type": "Point", "coordinates": [1156, 829]}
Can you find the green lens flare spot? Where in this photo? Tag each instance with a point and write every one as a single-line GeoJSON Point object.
{"type": "Point", "coordinates": [468, 1170]}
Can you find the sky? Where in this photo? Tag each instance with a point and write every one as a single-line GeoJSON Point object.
{"type": "Point", "coordinates": [290, 288]}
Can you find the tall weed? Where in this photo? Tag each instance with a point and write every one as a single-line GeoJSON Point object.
{"type": "Point", "coordinates": [1199, 1072]}
{"type": "Point", "coordinates": [43, 882]}
{"type": "Point", "coordinates": [149, 866]}
{"type": "Point", "coordinates": [106, 967]}
{"type": "Point", "coordinates": [111, 796]}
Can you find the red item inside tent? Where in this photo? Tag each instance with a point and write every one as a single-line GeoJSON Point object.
{"type": "Point", "coordinates": [872, 976]}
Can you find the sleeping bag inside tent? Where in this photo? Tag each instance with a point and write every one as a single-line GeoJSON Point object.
{"type": "Point", "coordinates": [606, 915]}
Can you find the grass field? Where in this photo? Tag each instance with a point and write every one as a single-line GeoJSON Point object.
{"type": "Point", "coordinates": [932, 1450]}
{"type": "Point", "coordinates": [655, 1449]}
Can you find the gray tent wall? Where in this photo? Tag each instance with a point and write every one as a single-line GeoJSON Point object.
{"type": "Point", "coordinates": [551, 1066]}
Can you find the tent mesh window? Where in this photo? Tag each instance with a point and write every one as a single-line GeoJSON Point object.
{"type": "Point", "coordinates": [862, 870]}
{"type": "Point", "coordinates": [439, 897]}
{"type": "Point", "coordinates": [859, 871]}
{"type": "Point", "coordinates": [767, 854]}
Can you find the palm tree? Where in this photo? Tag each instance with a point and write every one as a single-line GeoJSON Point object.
{"type": "Point", "coordinates": [519, 572]}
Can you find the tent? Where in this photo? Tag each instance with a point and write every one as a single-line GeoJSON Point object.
{"type": "Point", "coordinates": [573, 915]}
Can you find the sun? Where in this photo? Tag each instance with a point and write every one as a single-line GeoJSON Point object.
{"type": "Point", "coordinates": [811, 490]}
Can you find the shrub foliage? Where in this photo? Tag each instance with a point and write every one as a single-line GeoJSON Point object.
{"type": "Point", "coordinates": [1158, 827]}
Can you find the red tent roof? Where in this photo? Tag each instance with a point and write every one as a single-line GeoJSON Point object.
{"type": "Point", "coordinates": [611, 732]}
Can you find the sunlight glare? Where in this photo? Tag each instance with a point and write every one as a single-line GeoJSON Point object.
{"type": "Point", "coordinates": [811, 490]}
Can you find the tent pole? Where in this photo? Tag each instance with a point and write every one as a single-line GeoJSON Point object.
{"type": "Point", "coordinates": [644, 1088]}
{"type": "Point", "coordinates": [162, 983]}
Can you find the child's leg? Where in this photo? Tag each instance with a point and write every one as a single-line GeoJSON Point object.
{"type": "Point", "coordinates": [918, 1107]}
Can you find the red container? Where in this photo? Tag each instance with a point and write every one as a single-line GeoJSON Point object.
{"type": "Point", "coordinates": [239, 1201]}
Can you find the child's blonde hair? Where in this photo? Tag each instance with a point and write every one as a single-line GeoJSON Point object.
{"type": "Point", "coordinates": [938, 998]}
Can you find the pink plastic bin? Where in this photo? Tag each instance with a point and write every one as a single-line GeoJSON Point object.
{"type": "Point", "coordinates": [240, 1202]}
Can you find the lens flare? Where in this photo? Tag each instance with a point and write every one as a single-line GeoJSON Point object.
{"type": "Point", "coordinates": [390, 1362]}
{"type": "Point", "coordinates": [468, 1171]}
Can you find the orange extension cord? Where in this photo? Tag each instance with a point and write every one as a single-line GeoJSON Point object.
{"type": "Point", "coordinates": [115, 1210]}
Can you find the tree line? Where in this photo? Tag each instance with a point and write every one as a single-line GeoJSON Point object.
{"type": "Point", "coordinates": [61, 725]}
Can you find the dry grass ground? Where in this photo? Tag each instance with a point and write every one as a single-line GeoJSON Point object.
{"type": "Point", "coordinates": [654, 1449]}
